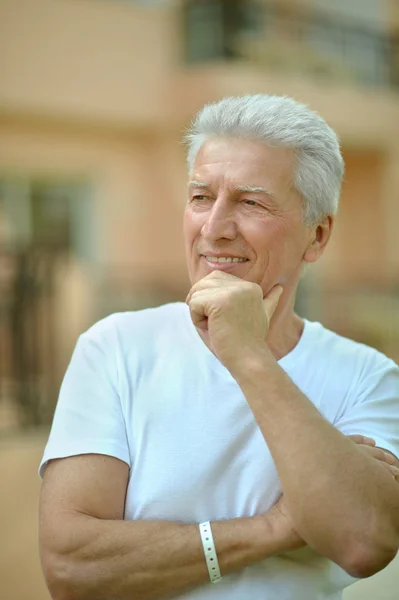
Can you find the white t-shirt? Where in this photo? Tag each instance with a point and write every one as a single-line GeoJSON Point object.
{"type": "Point", "coordinates": [143, 387]}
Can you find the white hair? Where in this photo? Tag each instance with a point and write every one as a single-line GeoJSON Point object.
{"type": "Point", "coordinates": [279, 121]}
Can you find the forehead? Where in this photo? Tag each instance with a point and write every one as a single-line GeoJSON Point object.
{"type": "Point", "coordinates": [244, 162]}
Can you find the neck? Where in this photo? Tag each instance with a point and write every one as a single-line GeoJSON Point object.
{"type": "Point", "coordinates": [285, 329]}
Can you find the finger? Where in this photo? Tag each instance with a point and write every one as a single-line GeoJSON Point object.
{"type": "Point", "coordinates": [379, 454]}
{"type": "Point", "coordinates": [389, 458]}
{"type": "Point", "coordinates": [388, 468]}
{"type": "Point", "coordinates": [198, 318]}
{"type": "Point", "coordinates": [361, 439]}
{"type": "Point", "coordinates": [382, 455]}
{"type": "Point", "coordinates": [216, 279]}
{"type": "Point", "coordinates": [391, 470]}
{"type": "Point", "coordinates": [201, 286]}
{"type": "Point", "coordinates": [395, 472]}
{"type": "Point", "coordinates": [392, 458]}
{"type": "Point", "coordinates": [385, 459]}
{"type": "Point", "coordinates": [271, 301]}
{"type": "Point", "coordinates": [199, 305]}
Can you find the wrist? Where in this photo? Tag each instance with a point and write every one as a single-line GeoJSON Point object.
{"type": "Point", "coordinates": [241, 542]}
{"type": "Point", "coordinates": [266, 536]}
{"type": "Point", "coordinates": [251, 363]}
{"type": "Point", "coordinates": [274, 536]}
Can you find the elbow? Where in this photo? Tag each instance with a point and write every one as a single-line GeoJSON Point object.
{"type": "Point", "coordinates": [364, 563]}
{"type": "Point", "coordinates": [59, 579]}
{"type": "Point", "coordinates": [374, 552]}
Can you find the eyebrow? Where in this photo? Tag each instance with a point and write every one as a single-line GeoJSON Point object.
{"type": "Point", "coordinates": [198, 184]}
{"type": "Point", "coordinates": [240, 188]}
{"type": "Point", "coordinates": [254, 190]}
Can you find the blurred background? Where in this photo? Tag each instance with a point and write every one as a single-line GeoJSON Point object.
{"type": "Point", "coordinates": [94, 97]}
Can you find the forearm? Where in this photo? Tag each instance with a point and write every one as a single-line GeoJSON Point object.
{"type": "Point", "coordinates": [98, 560]}
{"type": "Point", "coordinates": [339, 498]}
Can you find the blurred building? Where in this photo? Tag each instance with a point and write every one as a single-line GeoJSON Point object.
{"type": "Point", "coordinates": [94, 96]}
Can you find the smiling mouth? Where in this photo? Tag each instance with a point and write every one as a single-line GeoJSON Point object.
{"type": "Point", "coordinates": [224, 259]}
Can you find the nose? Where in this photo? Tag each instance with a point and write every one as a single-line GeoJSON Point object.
{"type": "Point", "coordinates": [220, 222]}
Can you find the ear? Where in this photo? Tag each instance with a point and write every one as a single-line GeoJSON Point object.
{"type": "Point", "coordinates": [320, 235]}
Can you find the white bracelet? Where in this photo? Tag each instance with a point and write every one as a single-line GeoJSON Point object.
{"type": "Point", "coordinates": [210, 552]}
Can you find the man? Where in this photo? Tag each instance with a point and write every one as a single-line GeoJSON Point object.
{"type": "Point", "coordinates": [210, 442]}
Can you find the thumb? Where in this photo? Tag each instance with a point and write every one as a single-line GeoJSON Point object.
{"type": "Point", "coordinates": [270, 302]}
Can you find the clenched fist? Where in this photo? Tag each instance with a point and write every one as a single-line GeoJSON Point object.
{"type": "Point", "coordinates": [231, 315]}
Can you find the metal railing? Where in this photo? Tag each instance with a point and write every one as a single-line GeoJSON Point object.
{"type": "Point", "coordinates": [299, 41]}
{"type": "Point", "coordinates": [38, 330]}
{"type": "Point", "coordinates": [27, 336]}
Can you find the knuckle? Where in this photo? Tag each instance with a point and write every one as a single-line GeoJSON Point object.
{"type": "Point", "coordinates": [228, 299]}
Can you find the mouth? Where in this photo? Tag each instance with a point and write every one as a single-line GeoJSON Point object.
{"type": "Point", "coordinates": [222, 263]}
{"type": "Point", "coordinates": [224, 259]}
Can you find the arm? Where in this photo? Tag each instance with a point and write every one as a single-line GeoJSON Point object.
{"type": "Point", "coordinates": [89, 553]}
{"type": "Point", "coordinates": [349, 511]}
{"type": "Point", "coordinates": [341, 501]}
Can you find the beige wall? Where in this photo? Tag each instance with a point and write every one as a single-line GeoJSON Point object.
{"type": "Point", "coordinates": [20, 571]}
{"type": "Point", "coordinates": [358, 251]}
{"type": "Point", "coordinates": [86, 59]}
{"type": "Point", "coordinates": [137, 179]}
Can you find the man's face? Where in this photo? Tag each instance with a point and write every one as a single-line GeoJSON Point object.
{"type": "Point", "coordinates": [242, 206]}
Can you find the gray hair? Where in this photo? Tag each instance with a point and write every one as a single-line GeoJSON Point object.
{"type": "Point", "coordinates": [279, 121]}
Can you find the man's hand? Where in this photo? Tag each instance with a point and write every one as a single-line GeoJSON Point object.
{"type": "Point", "coordinates": [280, 518]}
{"type": "Point", "coordinates": [233, 313]}
{"type": "Point", "coordinates": [387, 460]}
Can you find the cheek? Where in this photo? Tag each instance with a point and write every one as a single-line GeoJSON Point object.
{"type": "Point", "coordinates": [269, 239]}
{"type": "Point", "coordinates": [192, 226]}
{"type": "Point", "coordinates": [188, 227]}
{"type": "Point", "coordinates": [278, 245]}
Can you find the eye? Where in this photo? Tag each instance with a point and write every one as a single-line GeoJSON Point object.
{"type": "Point", "coordinates": [199, 197]}
{"type": "Point", "coordinates": [251, 203]}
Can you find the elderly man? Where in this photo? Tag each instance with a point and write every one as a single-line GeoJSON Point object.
{"type": "Point", "coordinates": [226, 440]}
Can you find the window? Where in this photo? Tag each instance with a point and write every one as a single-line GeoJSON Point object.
{"type": "Point", "coordinates": [47, 213]}
{"type": "Point", "coordinates": [211, 27]}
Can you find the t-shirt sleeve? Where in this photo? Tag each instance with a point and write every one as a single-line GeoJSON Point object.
{"type": "Point", "coordinates": [88, 418]}
{"type": "Point", "coordinates": [374, 411]}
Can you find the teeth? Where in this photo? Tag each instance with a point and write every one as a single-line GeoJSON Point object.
{"type": "Point", "coordinates": [224, 259]}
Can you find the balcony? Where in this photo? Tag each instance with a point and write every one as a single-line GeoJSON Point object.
{"type": "Point", "coordinates": [290, 39]}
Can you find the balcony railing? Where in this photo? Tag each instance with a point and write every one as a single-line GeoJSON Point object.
{"type": "Point", "coordinates": [290, 40]}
